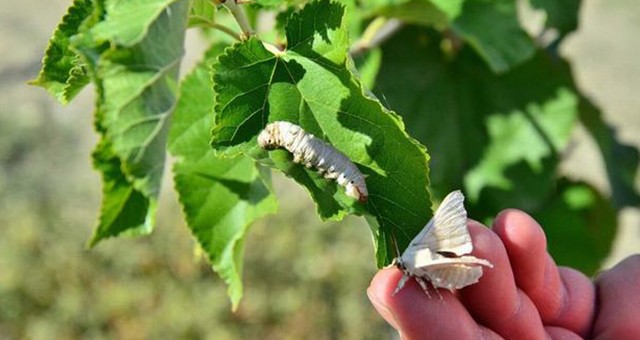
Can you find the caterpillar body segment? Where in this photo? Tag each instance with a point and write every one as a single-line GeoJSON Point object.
{"type": "Point", "coordinates": [313, 152]}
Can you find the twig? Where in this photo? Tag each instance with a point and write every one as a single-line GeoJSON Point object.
{"type": "Point", "coordinates": [240, 16]}
{"type": "Point", "coordinates": [225, 29]}
{"type": "Point", "coordinates": [378, 31]}
{"type": "Point", "coordinates": [202, 21]}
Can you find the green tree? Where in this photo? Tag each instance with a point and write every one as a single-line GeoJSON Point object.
{"type": "Point", "coordinates": [493, 105]}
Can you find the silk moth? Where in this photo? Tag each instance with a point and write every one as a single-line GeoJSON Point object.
{"type": "Point", "coordinates": [314, 152]}
{"type": "Point", "coordinates": [438, 252]}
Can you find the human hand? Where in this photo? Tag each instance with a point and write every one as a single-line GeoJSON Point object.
{"type": "Point", "coordinates": [525, 296]}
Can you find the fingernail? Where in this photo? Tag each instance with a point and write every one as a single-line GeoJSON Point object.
{"type": "Point", "coordinates": [382, 309]}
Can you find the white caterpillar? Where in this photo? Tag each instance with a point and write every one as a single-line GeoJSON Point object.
{"type": "Point", "coordinates": [314, 152]}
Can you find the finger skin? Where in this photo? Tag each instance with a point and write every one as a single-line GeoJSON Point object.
{"type": "Point", "coordinates": [563, 297]}
{"type": "Point", "coordinates": [558, 333]}
{"type": "Point", "coordinates": [416, 316]}
{"type": "Point", "coordinates": [495, 301]}
{"type": "Point", "coordinates": [618, 292]}
{"type": "Point", "coordinates": [579, 305]}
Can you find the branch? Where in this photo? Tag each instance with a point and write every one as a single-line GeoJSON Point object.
{"type": "Point", "coordinates": [240, 16]}
{"type": "Point", "coordinates": [226, 29]}
{"type": "Point", "coordinates": [205, 22]}
{"type": "Point", "coordinates": [378, 31]}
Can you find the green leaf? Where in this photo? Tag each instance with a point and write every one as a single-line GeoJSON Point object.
{"type": "Point", "coordinates": [194, 108]}
{"type": "Point", "coordinates": [63, 74]}
{"type": "Point", "coordinates": [580, 225]}
{"type": "Point", "coordinates": [128, 22]}
{"type": "Point", "coordinates": [621, 161]}
{"type": "Point", "coordinates": [136, 93]}
{"type": "Point", "coordinates": [310, 85]}
{"type": "Point", "coordinates": [493, 30]}
{"type": "Point", "coordinates": [561, 14]}
{"type": "Point", "coordinates": [124, 210]}
{"type": "Point", "coordinates": [220, 197]}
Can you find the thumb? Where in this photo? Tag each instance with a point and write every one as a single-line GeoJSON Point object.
{"type": "Point", "coordinates": [417, 316]}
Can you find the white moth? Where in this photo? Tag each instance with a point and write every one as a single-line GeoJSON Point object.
{"type": "Point", "coordinates": [439, 252]}
{"type": "Point", "coordinates": [313, 152]}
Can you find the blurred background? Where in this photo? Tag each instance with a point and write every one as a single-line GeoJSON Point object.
{"type": "Point", "coordinates": [302, 277]}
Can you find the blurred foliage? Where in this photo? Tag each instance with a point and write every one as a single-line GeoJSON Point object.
{"type": "Point", "coordinates": [156, 287]}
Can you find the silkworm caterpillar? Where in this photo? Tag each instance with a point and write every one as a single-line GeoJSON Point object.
{"type": "Point", "coordinates": [314, 152]}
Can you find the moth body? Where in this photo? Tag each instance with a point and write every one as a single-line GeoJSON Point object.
{"type": "Point", "coordinates": [313, 152]}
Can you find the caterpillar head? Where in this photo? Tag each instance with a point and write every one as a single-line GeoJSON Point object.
{"type": "Point", "coordinates": [357, 189]}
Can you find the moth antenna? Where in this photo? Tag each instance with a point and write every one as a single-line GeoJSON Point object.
{"type": "Point", "coordinates": [395, 243]}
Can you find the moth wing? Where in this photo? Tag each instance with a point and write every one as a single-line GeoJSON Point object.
{"type": "Point", "coordinates": [455, 277]}
{"type": "Point", "coordinates": [452, 273]}
{"type": "Point", "coordinates": [447, 231]}
{"type": "Point", "coordinates": [415, 258]}
{"type": "Point", "coordinates": [424, 259]}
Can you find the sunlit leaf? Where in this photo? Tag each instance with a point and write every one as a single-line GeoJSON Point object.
{"type": "Point", "coordinates": [128, 22]}
{"type": "Point", "coordinates": [310, 84]}
{"type": "Point", "coordinates": [124, 210]}
{"type": "Point", "coordinates": [136, 94]}
{"type": "Point", "coordinates": [62, 73]}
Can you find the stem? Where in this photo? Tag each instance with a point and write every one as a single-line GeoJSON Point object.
{"type": "Point", "coordinates": [202, 21]}
{"type": "Point", "coordinates": [240, 16]}
{"type": "Point", "coordinates": [378, 31]}
{"type": "Point", "coordinates": [225, 29]}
